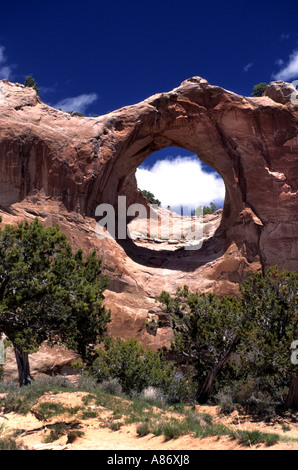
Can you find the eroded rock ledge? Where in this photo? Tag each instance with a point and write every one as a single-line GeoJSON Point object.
{"type": "Point", "coordinates": [60, 168]}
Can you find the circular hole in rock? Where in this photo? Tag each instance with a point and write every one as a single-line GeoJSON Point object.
{"type": "Point", "coordinates": [186, 198]}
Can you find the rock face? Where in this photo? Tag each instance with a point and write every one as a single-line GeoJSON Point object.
{"type": "Point", "coordinates": [60, 168]}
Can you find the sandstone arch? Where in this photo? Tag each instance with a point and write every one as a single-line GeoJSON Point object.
{"type": "Point", "coordinates": [171, 119]}
{"type": "Point", "coordinates": [52, 163]}
{"type": "Point", "coordinates": [250, 142]}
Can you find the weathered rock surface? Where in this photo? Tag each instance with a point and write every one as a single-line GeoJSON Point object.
{"type": "Point", "coordinates": [60, 168]}
{"type": "Point", "coordinates": [47, 361]}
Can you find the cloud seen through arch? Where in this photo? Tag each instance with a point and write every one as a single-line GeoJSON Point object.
{"type": "Point", "coordinates": [182, 181]}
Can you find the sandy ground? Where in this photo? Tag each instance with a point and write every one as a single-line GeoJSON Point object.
{"type": "Point", "coordinates": [32, 431]}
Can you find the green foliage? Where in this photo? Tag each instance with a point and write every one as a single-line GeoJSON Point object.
{"type": "Point", "coordinates": [137, 367]}
{"type": "Point", "coordinates": [115, 426]}
{"type": "Point", "coordinates": [57, 430]}
{"type": "Point", "coordinates": [209, 209]}
{"type": "Point", "coordinates": [47, 292]}
{"type": "Point", "coordinates": [260, 328]}
{"type": "Point", "coordinates": [49, 409]}
{"type": "Point", "coordinates": [143, 429]}
{"type": "Point", "coordinates": [201, 427]}
{"type": "Point", "coordinates": [250, 438]}
{"type": "Point", "coordinates": [270, 303]}
{"type": "Point", "coordinates": [192, 424]}
{"type": "Point", "coordinates": [205, 209]}
{"type": "Point", "coordinates": [111, 386]}
{"type": "Point", "coordinates": [76, 113]}
{"type": "Point", "coordinates": [265, 372]}
{"type": "Point", "coordinates": [73, 435]}
{"type": "Point", "coordinates": [150, 197]}
{"type": "Point", "coordinates": [259, 89]}
{"type": "Point", "coordinates": [8, 443]}
{"type": "Point", "coordinates": [169, 421]}
{"type": "Point", "coordinates": [60, 429]}
{"type": "Point", "coordinates": [206, 331]}
{"type": "Point", "coordinates": [21, 400]}
{"type": "Point", "coordinates": [89, 414]}
{"type": "Point", "coordinates": [31, 83]}
{"type": "Point", "coordinates": [250, 395]}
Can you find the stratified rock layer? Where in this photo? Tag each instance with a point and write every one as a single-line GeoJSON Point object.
{"type": "Point", "coordinates": [60, 168]}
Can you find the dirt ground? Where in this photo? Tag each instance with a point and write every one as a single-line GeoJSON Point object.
{"type": "Point", "coordinates": [32, 431]}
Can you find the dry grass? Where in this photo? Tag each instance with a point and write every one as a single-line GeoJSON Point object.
{"type": "Point", "coordinates": [55, 412]}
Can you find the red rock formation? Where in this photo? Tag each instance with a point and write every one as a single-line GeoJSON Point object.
{"type": "Point", "coordinates": [61, 167]}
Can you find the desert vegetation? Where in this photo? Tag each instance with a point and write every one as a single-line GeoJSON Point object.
{"type": "Point", "coordinates": [256, 330]}
{"type": "Point", "coordinates": [150, 197]}
{"type": "Point", "coordinates": [30, 82]}
{"type": "Point", "coordinates": [231, 353]}
{"type": "Point", "coordinates": [205, 210]}
{"type": "Point", "coordinates": [108, 407]}
{"type": "Point", "coordinates": [259, 89]}
{"type": "Point", "coordinates": [48, 293]}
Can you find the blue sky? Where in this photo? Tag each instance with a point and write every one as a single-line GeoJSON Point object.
{"type": "Point", "coordinates": [97, 56]}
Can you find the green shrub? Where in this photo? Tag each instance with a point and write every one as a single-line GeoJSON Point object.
{"type": "Point", "coordinates": [137, 368]}
{"type": "Point", "coordinates": [206, 331]}
{"type": "Point", "coordinates": [75, 113]}
{"type": "Point", "coordinates": [22, 399]}
{"type": "Point", "coordinates": [115, 426]}
{"type": "Point", "coordinates": [226, 403]}
{"type": "Point", "coordinates": [73, 436]}
{"type": "Point", "coordinates": [199, 426]}
{"type": "Point", "coordinates": [48, 293]}
{"type": "Point", "coordinates": [259, 89]}
{"type": "Point", "coordinates": [7, 443]}
{"type": "Point", "coordinates": [58, 430]}
{"type": "Point", "coordinates": [50, 409]}
{"type": "Point", "coordinates": [143, 429]}
{"type": "Point", "coordinates": [250, 396]}
{"type": "Point", "coordinates": [31, 83]}
{"type": "Point", "coordinates": [250, 438]}
{"type": "Point", "coordinates": [173, 429]}
{"type": "Point", "coordinates": [270, 303]}
{"type": "Point", "coordinates": [150, 197]}
{"type": "Point", "coordinates": [209, 209]}
{"type": "Point", "coordinates": [111, 386]}
{"type": "Point", "coordinates": [153, 395]}
{"type": "Point", "coordinates": [87, 383]}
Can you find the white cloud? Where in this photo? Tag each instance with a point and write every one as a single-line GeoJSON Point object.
{"type": "Point", "coordinates": [5, 70]}
{"type": "Point", "coordinates": [78, 103]}
{"type": "Point", "coordinates": [182, 181]}
{"type": "Point", "coordinates": [247, 67]}
{"type": "Point", "coordinates": [290, 70]}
